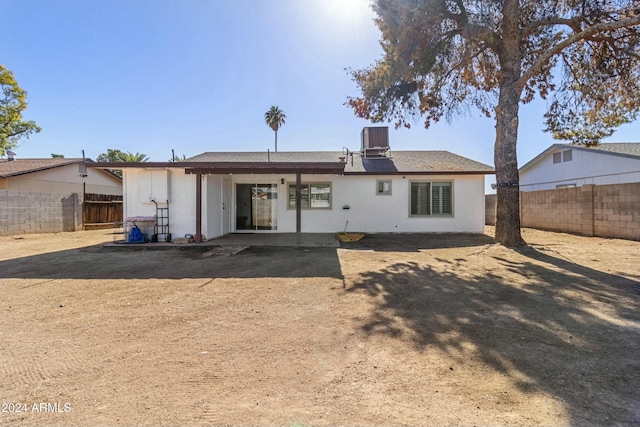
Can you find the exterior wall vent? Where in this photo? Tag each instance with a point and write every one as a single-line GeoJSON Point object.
{"type": "Point", "coordinates": [375, 142]}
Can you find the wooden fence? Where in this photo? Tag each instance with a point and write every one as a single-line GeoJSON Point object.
{"type": "Point", "coordinates": [101, 210]}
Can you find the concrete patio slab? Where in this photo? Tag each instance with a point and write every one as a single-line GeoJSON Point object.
{"type": "Point", "coordinates": [311, 240]}
{"type": "Point", "coordinates": [308, 240]}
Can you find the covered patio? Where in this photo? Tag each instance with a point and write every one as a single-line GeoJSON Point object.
{"type": "Point", "coordinates": [202, 169]}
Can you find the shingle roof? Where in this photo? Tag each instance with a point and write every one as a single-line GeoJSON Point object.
{"type": "Point", "coordinates": [397, 161]}
{"type": "Point", "coordinates": [625, 149]}
{"type": "Point", "coordinates": [628, 148]}
{"type": "Point", "coordinates": [22, 166]}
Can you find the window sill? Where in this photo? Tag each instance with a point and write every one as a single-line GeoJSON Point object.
{"type": "Point", "coordinates": [432, 216]}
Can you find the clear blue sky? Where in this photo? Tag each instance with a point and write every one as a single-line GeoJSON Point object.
{"type": "Point", "coordinates": [198, 75]}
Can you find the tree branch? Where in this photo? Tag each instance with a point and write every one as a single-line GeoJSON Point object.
{"type": "Point", "coordinates": [574, 38]}
{"type": "Point", "coordinates": [487, 35]}
{"type": "Point", "coordinates": [574, 24]}
{"type": "Point", "coordinates": [469, 30]}
{"type": "Point", "coordinates": [463, 11]}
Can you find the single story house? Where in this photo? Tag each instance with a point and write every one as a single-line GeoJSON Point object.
{"type": "Point", "coordinates": [565, 165]}
{"type": "Point", "coordinates": [374, 190]}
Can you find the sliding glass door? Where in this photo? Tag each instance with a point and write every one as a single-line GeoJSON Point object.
{"type": "Point", "coordinates": [256, 206]}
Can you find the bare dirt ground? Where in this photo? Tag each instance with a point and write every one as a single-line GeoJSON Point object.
{"type": "Point", "coordinates": [391, 330]}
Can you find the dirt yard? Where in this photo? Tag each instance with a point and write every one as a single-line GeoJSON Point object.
{"type": "Point", "coordinates": [391, 330]}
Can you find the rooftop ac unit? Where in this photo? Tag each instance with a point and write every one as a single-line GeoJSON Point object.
{"type": "Point", "coordinates": [375, 141]}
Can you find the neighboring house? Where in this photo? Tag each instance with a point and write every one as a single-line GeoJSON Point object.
{"type": "Point", "coordinates": [53, 195]}
{"type": "Point", "coordinates": [564, 165]}
{"type": "Point", "coordinates": [56, 176]}
{"type": "Point", "coordinates": [574, 189]}
{"type": "Point", "coordinates": [374, 190]}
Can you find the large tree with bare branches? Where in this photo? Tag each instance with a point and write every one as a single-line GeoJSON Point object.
{"type": "Point", "coordinates": [443, 56]}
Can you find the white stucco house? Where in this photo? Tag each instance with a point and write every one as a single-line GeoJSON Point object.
{"type": "Point", "coordinates": [565, 165]}
{"type": "Point", "coordinates": [374, 190]}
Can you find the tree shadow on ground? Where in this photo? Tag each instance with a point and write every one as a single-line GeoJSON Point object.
{"type": "Point", "coordinates": [416, 242]}
{"type": "Point", "coordinates": [571, 331]}
{"type": "Point", "coordinates": [96, 262]}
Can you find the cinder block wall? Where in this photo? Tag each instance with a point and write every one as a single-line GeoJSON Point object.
{"type": "Point", "coordinates": [616, 211]}
{"type": "Point", "coordinates": [24, 212]}
{"type": "Point", "coordinates": [592, 210]}
{"type": "Point", "coordinates": [568, 210]}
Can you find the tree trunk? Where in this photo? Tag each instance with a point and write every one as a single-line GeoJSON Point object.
{"type": "Point", "coordinates": [506, 162]}
{"type": "Point", "coordinates": [507, 177]}
{"type": "Point", "coordinates": [276, 141]}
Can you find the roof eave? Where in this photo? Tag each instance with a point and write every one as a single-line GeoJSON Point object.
{"type": "Point", "coordinates": [264, 167]}
{"type": "Point", "coordinates": [273, 167]}
{"type": "Point", "coordinates": [539, 156]}
{"type": "Point", "coordinates": [422, 173]}
{"type": "Point", "coordinates": [234, 167]}
{"type": "Point", "coordinates": [127, 165]}
{"type": "Point", "coordinates": [39, 169]}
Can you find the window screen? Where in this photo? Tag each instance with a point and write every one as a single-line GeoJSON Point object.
{"type": "Point", "coordinates": [431, 198]}
{"type": "Point", "coordinates": [441, 198]}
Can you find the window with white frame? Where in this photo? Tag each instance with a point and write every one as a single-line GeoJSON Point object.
{"type": "Point", "coordinates": [312, 196]}
{"type": "Point", "coordinates": [383, 187]}
{"type": "Point", "coordinates": [431, 198]}
{"type": "Point", "coordinates": [557, 157]}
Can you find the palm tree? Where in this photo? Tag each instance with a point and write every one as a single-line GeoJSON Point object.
{"type": "Point", "coordinates": [130, 157]}
{"type": "Point", "coordinates": [274, 118]}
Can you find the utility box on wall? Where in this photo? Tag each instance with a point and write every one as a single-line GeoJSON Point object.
{"type": "Point", "coordinates": [154, 185]}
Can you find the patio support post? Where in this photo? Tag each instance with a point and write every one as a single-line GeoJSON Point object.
{"type": "Point", "coordinates": [298, 207]}
{"type": "Point", "coordinates": [198, 236]}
